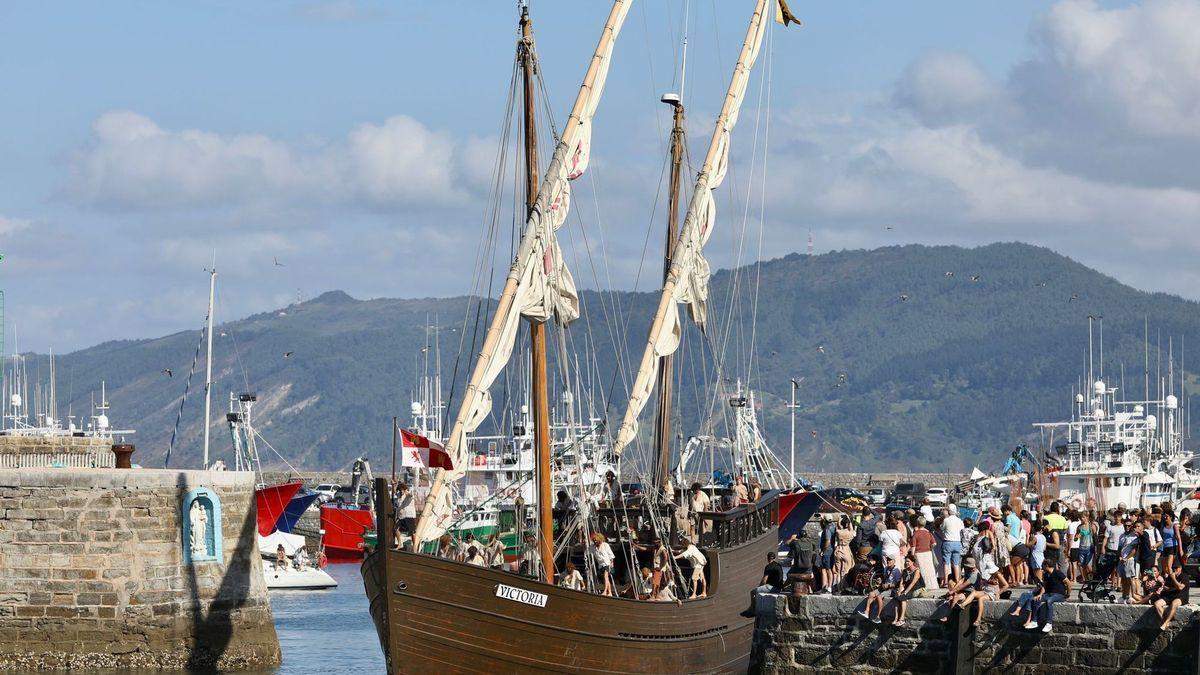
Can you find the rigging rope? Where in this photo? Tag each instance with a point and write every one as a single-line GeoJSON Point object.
{"type": "Point", "coordinates": [186, 387]}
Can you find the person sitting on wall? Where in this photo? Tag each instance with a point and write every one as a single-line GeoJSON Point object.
{"type": "Point", "coordinates": [1173, 594]}
{"type": "Point", "coordinates": [910, 582]}
{"type": "Point", "coordinates": [888, 580]}
{"type": "Point", "coordinates": [959, 591]}
{"type": "Point", "coordinates": [1055, 588]}
{"type": "Point", "coordinates": [280, 558]}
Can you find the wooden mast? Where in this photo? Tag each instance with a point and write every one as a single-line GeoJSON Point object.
{"type": "Point", "coordinates": [496, 345]}
{"type": "Point", "coordinates": [690, 244]}
{"type": "Point", "coordinates": [537, 329]}
{"type": "Point", "coordinates": [662, 429]}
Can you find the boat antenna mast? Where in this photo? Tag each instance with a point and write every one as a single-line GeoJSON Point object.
{"type": "Point", "coordinates": [212, 288]}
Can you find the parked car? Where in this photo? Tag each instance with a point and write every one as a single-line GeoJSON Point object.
{"type": "Point", "coordinates": [908, 493]}
{"type": "Point", "coordinates": [877, 495]}
{"type": "Point", "coordinates": [842, 499]}
{"type": "Point", "coordinates": [327, 491]}
{"type": "Point", "coordinates": [344, 495]}
{"type": "Point", "coordinates": [937, 496]}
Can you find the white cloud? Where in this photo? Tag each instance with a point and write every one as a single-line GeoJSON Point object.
{"type": "Point", "coordinates": [945, 87]}
{"type": "Point", "coordinates": [10, 226]}
{"type": "Point", "coordinates": [1087, 146]}
{"type": "Point", "coordinates": [1144, 60]}
{"type": "Point", "coordinates": [133, 164]}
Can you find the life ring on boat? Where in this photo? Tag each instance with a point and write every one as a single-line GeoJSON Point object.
{"type": "Point", "coordinates": [1077, 502]}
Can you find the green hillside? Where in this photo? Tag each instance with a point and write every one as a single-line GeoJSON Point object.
{"type": "Point", "coordinates": [904, 366]}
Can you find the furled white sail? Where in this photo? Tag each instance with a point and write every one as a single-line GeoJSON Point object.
{"type": "Point", "coordinates": [539, 285]}
{"type": "Point", "coordinates": [687, 280]}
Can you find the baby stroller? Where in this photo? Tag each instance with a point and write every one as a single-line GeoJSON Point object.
{"type": "Point", "coordinates": [1099, 588]}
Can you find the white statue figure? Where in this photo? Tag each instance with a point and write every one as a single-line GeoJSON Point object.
{"type": "Point", "coordinates": [199, 533]}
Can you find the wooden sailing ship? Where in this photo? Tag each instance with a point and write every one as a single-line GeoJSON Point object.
{"type": "Point", "coordinates": [437, 614]}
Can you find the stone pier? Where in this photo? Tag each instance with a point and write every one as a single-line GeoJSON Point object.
{"type": "Point", "coordinates": [136, 568]}
{"type": "Point", "coordinates": [823, 634]}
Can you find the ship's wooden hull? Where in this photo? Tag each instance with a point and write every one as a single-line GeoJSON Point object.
{"type": "Point", "coordinates": [437, 615]}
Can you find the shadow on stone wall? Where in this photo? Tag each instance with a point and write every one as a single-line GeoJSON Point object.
{"type": "Point", "coordinates": [822, 633]}
{"type": "Point", "coordinates": [214, 629]}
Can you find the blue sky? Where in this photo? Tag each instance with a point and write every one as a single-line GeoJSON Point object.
{"type": "Point", "coordinates": [354, 140]}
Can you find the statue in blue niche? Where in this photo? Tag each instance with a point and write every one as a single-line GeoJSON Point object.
{"type": "Point", "coordinates": [201, 520]}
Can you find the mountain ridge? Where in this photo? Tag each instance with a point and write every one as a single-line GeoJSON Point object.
{"type": "Point", "coordinates": [928, 357]}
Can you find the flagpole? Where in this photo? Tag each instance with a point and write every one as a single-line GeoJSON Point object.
{"type": "Point", "coordinates": [394, 422]}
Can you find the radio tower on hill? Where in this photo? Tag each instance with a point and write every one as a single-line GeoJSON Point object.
{"type": "Point", "coordinates": [810, 243]}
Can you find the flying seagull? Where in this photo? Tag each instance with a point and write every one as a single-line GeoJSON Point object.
{"type": "Point", "coordinates": [288, 354]}
{"type": "Point", "coordinates": [947, 274]}
{"type": "Point", "coordinates": [277, 263]}
{"type": "Point", "coordinates": [167, 372]}
{"type": "Point", "coordinates": [1074, 297]}
{"type": "Point", "coordinates": [975, 277]}
{"type": "Point", "coordinates": [1040, 284]}
{"type": "Point", "coordinates": [821, 348]}
{"type": "Point", "coordinates": [903, 297]}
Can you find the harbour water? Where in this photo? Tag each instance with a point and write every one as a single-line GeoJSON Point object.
{"type": "Point", "coordinates": [327, 631]}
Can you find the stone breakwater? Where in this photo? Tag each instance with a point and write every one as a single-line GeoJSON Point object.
{"type": "Point", "coordinates": [822, 634]}
{"type": "Point", "coordinates": [883, 480]}
{"type": "Point", "coordinates": [94, 573]}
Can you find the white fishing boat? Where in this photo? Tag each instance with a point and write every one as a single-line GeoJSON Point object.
{"type": "Point", "coordinates": [1118, 450]}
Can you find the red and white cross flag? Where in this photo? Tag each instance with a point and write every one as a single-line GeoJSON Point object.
{"type": "Point", "coordinates": [420, 452]}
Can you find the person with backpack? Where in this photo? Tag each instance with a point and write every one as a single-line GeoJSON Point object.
{"type": "Point", "coordinates": [803, 555]}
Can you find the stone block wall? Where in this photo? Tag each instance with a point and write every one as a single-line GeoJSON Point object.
{"type": "Point", "coordinates": [46, 451]}
{"type": "Point", "coordinates": [822, 634]}
{"type": "Point", "coordinates": [92, 573]}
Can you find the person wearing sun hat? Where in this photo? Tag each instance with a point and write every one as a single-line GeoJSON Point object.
{"type": "Point", "coordinates": [960, 590]}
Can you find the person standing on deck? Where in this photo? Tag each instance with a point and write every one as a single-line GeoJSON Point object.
{"type": "Point", "coordinates": [612, 488]}
{"type": "Point", "coordinates": [740, 492]}
{"type": "Point", "coordinates": [406, 515]}
{"type": "Point", "coordinates": [474, 557]}
{"type": "Point", "coordinates": [494, 552]}
{"type": "Point", "coordinates": [699, 502]}
{"type": "Point", "coordinates": [531, 558]}
{"type": "Point", "coordinates": [603, 556]}
{"type": "Point", "coordinates": [698, 561]}
{"type": "Point", "coordinates": [661, 565]}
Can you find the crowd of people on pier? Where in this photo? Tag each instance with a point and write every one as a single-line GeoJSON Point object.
{"type": "Point", "coordinates": [1138, 554]}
